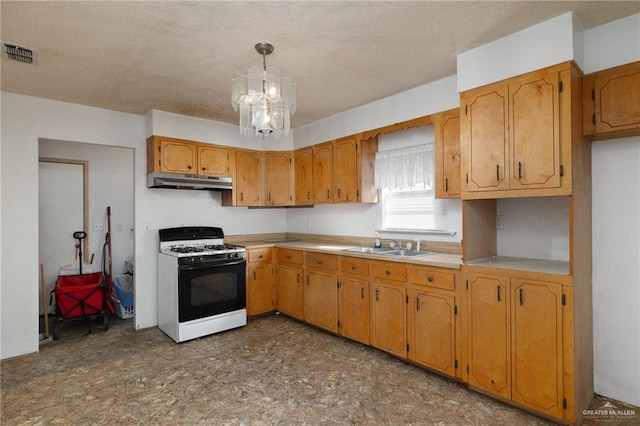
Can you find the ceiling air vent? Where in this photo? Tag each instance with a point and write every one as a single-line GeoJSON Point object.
{"type": "Point", "coordinates": [17, 53]}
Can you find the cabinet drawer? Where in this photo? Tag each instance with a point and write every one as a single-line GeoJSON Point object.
{"type": "Point", "coordinates": [431, 277]}
{"type": "Point", "coordinates": [321, 261]}
{"type": "Point", "coordinates": [353, 265]}
{"type": "Point", "coordinates": [289, 256]}
{"type": "Point", "coordinates": [259, 255]}
{"type": "Point", "coordinates": [390, 271]}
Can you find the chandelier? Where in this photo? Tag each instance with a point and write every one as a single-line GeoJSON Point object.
{"type": "Point", "coordinates": [265, 100]}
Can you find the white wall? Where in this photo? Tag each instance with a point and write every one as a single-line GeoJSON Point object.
{"type": "Point", "coordinates": [616, 230]}
{"type": "Point", "coordinates": [110, 184]}
{"type": "Point", "coordinates": [25, 120]}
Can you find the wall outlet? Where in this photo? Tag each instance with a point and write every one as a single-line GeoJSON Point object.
{"type": "Point", "coordinates": [118, 227]}
{"type": "Point", "coordinates": [98, 227]}
{"type": "Point", "coordinates": [499, 222]}
{"type": "Point", "coordinates": [146, 227]}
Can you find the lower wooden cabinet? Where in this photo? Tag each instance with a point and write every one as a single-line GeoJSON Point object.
{"type": "Point", "coordinates": [516, 340]}
{"type": "Point", "coordinates": [321, 300]}
{"type": "Point", "coordinates": [389, 318]}
{"type": "Point", "coordinates": [431, 330]}
{"type": "Point", "coordinates": [260, 281]}
{"type": "Point", "coordinates": [353, 301]}
{"type": "Point", "coordinates": [290, 291]}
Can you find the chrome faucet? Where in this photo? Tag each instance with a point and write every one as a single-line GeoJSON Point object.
{"type": "Point", "coordinates": [418, 245]}
{"type": "Point", "coordinates": [397, 244]}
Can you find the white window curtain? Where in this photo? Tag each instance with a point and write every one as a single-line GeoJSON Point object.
{"type": "Point", "coordinates": [405, 168]}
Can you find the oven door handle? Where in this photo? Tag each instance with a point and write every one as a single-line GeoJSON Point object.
{"type": "Point", "coordinates": [210, 265]}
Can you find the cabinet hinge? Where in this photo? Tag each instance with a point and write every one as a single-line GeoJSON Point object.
{"type": "Point", "coordinates": [407, 296]}
{"type": "Point", "coordinates": [561, 170]}
{"type": "Point", "coordinates": [407, 347]}
{"type": "Point", "coordinates": [159, 149]}
{"type": "Point", "coordinates": [338, 284]}
{"type": "Point", "coordinates": [593, 95]}
{"type": "Point", "coordinates": [339, 324]}
{"type": "Point", "coordinates": [356, 147]}
{"type": "Point", "coordinates": [357, 192]}
{"type": "Point", "coordinates": [564, 403]}
{"type": "Point", "coordinates": [467, 368]}
{"type": "Point", "coordinates": [455, 309]}
{"type": "Point", "coordinates": [593, 118]}
{"type": "Point", "coordinates": [560, 86]}
{"type": "Point", "coordinates": [466, 110]}
{"type": "Point", "coordinates": [455, 364]}
{"type": "Point", "coordinates": [467, 284]}
{"type": "Point", "coordinates": [467, 177]}
{"type": "Point", "coordinates": [564, 300]}
{"type": "Point", "coordinates": [290, 161]}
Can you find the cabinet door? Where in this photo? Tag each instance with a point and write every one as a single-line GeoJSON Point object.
{"type": "Point", "coordinates": [611, 107]}
{"type": "Point", "coordinates": [248, 178]}
{"type": "Point", "coordinates": [176, 156]}
{"type": "Point", "coordinates": [278, 174]}
{"type": "Point", "coordinates": [534, 131]}
{"type": "Point", "coordinates": [484, 138]}
{"type": "Point", "coordinates": [261, 291]}
{"type": "Point", "coordinates": [354, 309]}
{"type": "Point", "coordinates": [388, 318]}
{"type": "Point", "coordinates": [432, 330]}
{"type": "Point", "coordinates": [321, 300]}
{"type": "Point", "coordinates": [213, 160]}
{"type": "Point", "coordinates": [536, 309]}
{"type": "Point", "coordinates": [346, 172]}
{"type": "Point", "coordinates": [303, 160]}
{"type": "Point", "coordinates": [447, 154]}
{"type": "Point", "coordinates": [489, 357]}
{"type": "Point", "coordinates": [290, 291]}
{"type": "Point", "coordinates": [323, 173]}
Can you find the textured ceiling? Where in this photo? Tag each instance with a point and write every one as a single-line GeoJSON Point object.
{"type": "Point", "coordinates": [180, 56]}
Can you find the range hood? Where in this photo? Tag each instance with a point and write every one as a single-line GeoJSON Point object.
{"type": "Point", "coordinates": [186, 181]}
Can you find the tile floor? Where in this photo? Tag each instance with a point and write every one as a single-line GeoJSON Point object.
{"type": "Point", "coordinates": [274, 371]}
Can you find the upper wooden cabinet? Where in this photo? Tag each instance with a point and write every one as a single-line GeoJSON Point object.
{"type": "Point", "coordinates": [447, 153]}
{"type": "Point", "coordinates": [346, 170]}
{"type": "Point", "coordinates": [611, 102]}
{"type": "Point", "coordinates": [303, 171]}
{"type": "Point", "coordinates": [247, 184]}
{"type": "Point", "coordinates": [182, 156]}
{"type": "Point", "coordinates": [516, 135]}
{"type": "Point", "coordinates": [323, 173]}
{"type": "Point", "coordinates": [214, 160]}
{"type": "Point", "coordinates": [343, 171]}
{"type": "Point", "coordinates": [278, 177]}
{"type": "Point", "coordinates": [171, 155]}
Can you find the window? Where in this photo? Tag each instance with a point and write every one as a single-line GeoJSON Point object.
{"type": "Point", "coordinates": [404, 168]}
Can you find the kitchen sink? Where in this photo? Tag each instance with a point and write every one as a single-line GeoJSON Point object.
{"type": "Point", "coordinates": [405, 253]}
{"type": "Point", "coordinates": [370, 250]}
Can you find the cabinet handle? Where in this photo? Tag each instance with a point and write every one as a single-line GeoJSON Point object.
{"type": "Point", "coordinates": [388, 272]}
{"type": "Point", "coordinates": [498, 287]}
{"type": "Point", "coordinates": [521, 294]}
{"type": "Point", "coordinates": [307, 279]}
{"type": "Point", "coordinates": [328, 194]}
{"type": "Point", "coordinates": [308, 195]}
{"type": "Point", "coordinates": [417, 304]}
{"type": "Point", "coordinates": [339, 193]}
{"type": "Point", "coordinates": [519, 170]}
{"type": "Point", "coordinates": [254, 275]}
{"type": "Point", "coordinates": [353, 267]}
{"type": "Point", "coordinates": [377, 294]}
{"type": "Point", "coordinates": [288, 257]}
{"type": "Point", "coordinates": [189, 167]}
{"type": "Point", "coordinates": [430, 278]}
{"type": "Point", "coordinates": [260, 257]}
{"type": "Point", "coordinates": [498, 172]}
{"type": "Point", "coordinates": [362, 292]}
{"type": "Point", "coordinates": [204, 169]}
{"type": "Point", "coordinates": [446, 184]}
{"type": "Point", "coordinates": [298, 278]}
{"type": "Point", "coordinates": [269, 197]}
{"type": "Point", "coordinates": [319, 262]}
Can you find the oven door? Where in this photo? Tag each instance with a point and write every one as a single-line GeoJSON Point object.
{"type": "Point", "coordinates": [208, 289]}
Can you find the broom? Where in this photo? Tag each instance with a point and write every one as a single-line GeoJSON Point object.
{"type": "Point", "coordinates": [44, 338]}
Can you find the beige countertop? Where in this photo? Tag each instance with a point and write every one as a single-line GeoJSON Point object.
{"type": "Point", "coordinates": [441, 260]}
